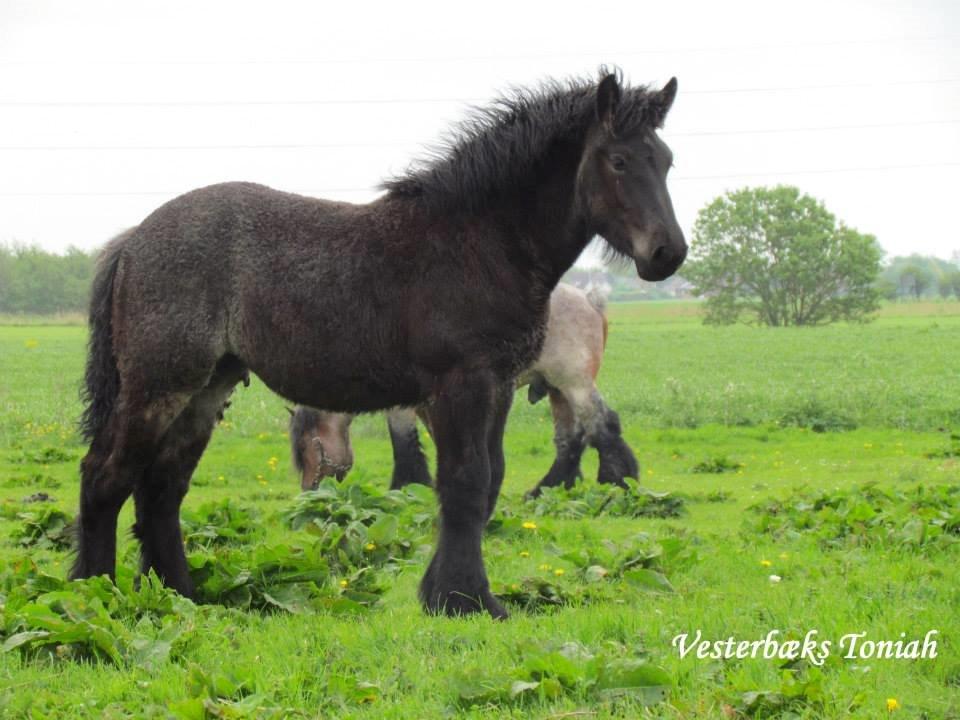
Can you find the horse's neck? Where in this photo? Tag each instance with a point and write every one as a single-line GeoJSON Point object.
{"type": "Point", "coordinates": [547, 220]}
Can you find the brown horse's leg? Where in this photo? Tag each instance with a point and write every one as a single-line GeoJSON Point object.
{"type": "Point", "coordinates": [456, 582]}
{"type": "Point", "coordinates": [502, 402]}
{"type": "Point", "coordinates": [117, 457]}
{"type": "Point", "coordinates": [568, 438]}
{"type": "Point", "coordinates": [163, 486]}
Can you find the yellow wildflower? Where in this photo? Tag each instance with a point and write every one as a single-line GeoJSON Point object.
{"type": "Point", "coordinates": [524, 553]}
{"type": "Point", "coordinates": [343, 583]}
{"type": "Point", "coordinates": [544, 567]}
{"type": "Point", "coordinates": [529, 525]}
{"type": "Point", "coordinates": [370, 546]}
{"type": "Point", "coordinates": [559, 571]}
{"type": "Point", "coordinates": [766, 563]}
{"type": "Point", "coordinates": [892, 704]}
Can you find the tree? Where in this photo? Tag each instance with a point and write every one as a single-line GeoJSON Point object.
{"type": "Point", "coordinates": [952, 281]}
{"type": "Point", "coordinates": [779, 257]}
{"type": "Point", "coordinates": [914, 280]}
{"type": "Point", "coordinates": [945, 286]}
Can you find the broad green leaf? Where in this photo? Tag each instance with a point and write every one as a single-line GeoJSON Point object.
{"type": "Point", "coordinates": [648, 580]}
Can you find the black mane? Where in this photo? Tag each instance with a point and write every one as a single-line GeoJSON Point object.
{"type": "Point", "coordinates": [497, 147]}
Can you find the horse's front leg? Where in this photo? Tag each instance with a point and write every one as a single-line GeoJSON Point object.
{"type": "Point", "coordinates": [461, 415]}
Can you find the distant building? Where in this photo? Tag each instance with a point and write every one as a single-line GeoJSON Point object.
{"type": "Point", "coordinates": [625, 285]}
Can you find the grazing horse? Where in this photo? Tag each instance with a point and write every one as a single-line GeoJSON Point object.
{"type": "Point", "coordinates": [436, 292]}
{"type": "Point", "coordinates": [566, 371]}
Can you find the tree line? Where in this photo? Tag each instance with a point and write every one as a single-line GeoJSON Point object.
{"type": "Point", "coordinates": [914, 277]}
{"type": "Point", "coordinates": [34, 281]}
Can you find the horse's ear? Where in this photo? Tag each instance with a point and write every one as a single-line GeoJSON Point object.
{"type": "Point", "coordinates": [663, 100]}
{"type": "Point", "coordinates": [608, 97]}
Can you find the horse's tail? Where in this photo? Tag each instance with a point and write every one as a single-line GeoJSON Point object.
{"type": "Point", "coordinates": [598, 300]}
{"type": "Point", "coordinates": [102, 379]}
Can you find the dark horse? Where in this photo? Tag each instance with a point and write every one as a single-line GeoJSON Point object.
{"type": "Point", "coordinates": [441, 286]}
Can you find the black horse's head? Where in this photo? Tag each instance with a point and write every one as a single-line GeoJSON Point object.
{"type": "Point", "coordinates": [622, 181]}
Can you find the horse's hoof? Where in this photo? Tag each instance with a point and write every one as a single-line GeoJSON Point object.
{"type": "Point", "coordinates": [440, 598]}
{"type": "Point", "coordinates": [459, 604]}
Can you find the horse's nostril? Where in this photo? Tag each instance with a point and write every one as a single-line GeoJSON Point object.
{"type": "Point", "coordinates": [658, 253]}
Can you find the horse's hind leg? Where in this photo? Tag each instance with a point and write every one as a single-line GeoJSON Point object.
{"type": "Point", "coordinates": [617, 460]}
{"type": "Point", "coordinates": [163, 486]}
{"type": "Point", "coordinates": [569, 440]}
{"type": "Point", "coordinates": [118, 455]}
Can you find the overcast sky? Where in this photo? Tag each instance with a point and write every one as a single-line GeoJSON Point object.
{"type": "Point", "coordinates": [107, 109]}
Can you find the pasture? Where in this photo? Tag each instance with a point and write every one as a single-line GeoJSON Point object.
{"type": "Point", "coordinates": [813, 485]}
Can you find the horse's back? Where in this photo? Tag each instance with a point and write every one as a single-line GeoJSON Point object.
{"type": "Point", "coordinates": [573, 348]}
{"type": "Point", "coordinates": [219, 271]}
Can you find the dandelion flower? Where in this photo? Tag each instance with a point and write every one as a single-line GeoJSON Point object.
{"type": "Point", "coordinates": [544, 567]}
{"type": "Point", "coordinates": [370, 546]}
{"type": "Point", "coordinates": [766, 563]}
{"type": "Point", "coordinates": [892, 704]}
{"type": "Point", "coordinates": [559, 571]}
{"type": "Point", "coordinates": [529, 525]}
{"type": "Point", "coordinates": [524, 553]}
{"type": "Point", "coordinates": [343, 583]}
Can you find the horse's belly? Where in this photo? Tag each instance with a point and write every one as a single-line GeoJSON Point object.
{"type": "Point", "coordinates": [321, 387]}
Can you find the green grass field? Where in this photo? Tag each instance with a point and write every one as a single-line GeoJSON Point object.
{"type": "Point", "coordinates": [841, 425]}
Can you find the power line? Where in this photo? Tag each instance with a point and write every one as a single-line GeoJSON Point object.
{"type": "Point", "coordinates": [408, 143]}
{"type": "Point", "coordinates": [815, 128]}
{"type": "Point", "coordinates": [239, 146]}
{"type": "Point", "coordinates": [823, 171]}
{"type": "Point", "coordinates": [322, 191]}
{"type": "Point", "coordinates": [164, 193]}
{"type": "Point", "coordinates": [425, 100]}
{"type": "Point", "coordinates": [633, 52]}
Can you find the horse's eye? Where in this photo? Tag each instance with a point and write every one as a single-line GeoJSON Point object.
{"type": "Point", "coordinates": [618, 163]}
